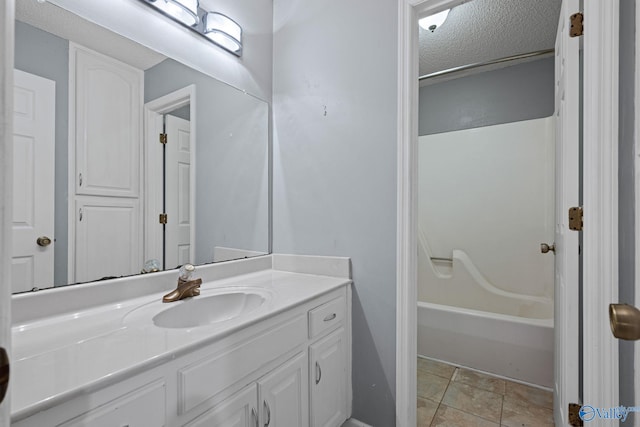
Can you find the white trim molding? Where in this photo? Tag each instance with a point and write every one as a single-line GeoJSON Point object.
{"type": "Point", "coordinates": [6, 184]}
{"type": "Point", "coordinates": [600, 352]}
{"type": "Point", "coordinates": [600, 189]}
{"type": "Point", "coordinates": [407, 210]}
{"type": "Point", "coordinates": [153, 125]}
{"type": "Point", "coordinates": [636, 167]}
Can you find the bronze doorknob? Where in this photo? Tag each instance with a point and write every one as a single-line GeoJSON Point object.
{"type": "Point", "coordinates": [43, 241]}
{"type": "Point", "coordinates": [624, 320]}
{"type": "Point", "coordinates": [544, 248]}
{"type": "Point", "coordinates": [4, 373]}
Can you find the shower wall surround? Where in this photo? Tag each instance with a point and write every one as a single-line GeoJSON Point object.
{"type": "Point", "coordinates": [489, 192]}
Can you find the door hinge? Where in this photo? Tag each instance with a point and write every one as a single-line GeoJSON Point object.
{"type": "Point", "coordinates": [574, 415]}
{"type": "Point", "coordinates": [575, 218]}
{"type": "Point", "coordinates": [577, 28]}
{"type": "Point", "coordinates": [163, 218]}
{"type": "Point", "coordinates": [163, 138]}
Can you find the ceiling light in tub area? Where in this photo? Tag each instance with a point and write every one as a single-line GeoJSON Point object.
{"type": "Point", "coordinates": [434, 21]}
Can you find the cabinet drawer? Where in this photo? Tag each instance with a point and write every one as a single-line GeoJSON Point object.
{"type": "Point", "coordinates": [326, 317]}
{"type": "Point", "coordinates": [143, 407]}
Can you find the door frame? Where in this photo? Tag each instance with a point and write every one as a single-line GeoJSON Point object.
{"type": "Point", "coordinates": [6, 177]}
{"type": "Point", "coordinates": [153, 125]}
{"type": "Point", "coordinates": [636, 356]}
{"type": "Point", "coordinates": [600, 377]}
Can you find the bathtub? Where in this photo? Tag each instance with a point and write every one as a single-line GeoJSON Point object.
{"type": "Point", "coordinates": [463, 319]}
{"type": "Point", "coordinates": [504, 345]}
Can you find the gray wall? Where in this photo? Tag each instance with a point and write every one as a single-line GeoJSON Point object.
{"type": "Point", "coordinates": [232, 143]}
{"type": "Point", "coordinates": [519, 92]}
{"type": "Point", "coordinates": [334, 190]}
{"type": "Point", "coordinates": [626, 192]}
{"type": "Point", "coordinates": [41, 53]}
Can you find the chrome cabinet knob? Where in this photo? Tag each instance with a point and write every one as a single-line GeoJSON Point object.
{"type": "Point", "coordinates": [544, 248]}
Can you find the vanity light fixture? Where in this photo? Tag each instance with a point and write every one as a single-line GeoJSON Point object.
{"type": "Point", "coordinates": [224, 31]}
{"type": "Point", "coordinates": [432, 22]}
{"type": "Point", "coordinates": [185, 11]}
{"type": "Point", "coordinates": [215, 27]}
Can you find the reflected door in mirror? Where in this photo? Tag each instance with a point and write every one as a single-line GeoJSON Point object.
{"type": "Point", "coordinates": [33, 182]}
{"type": "Point", "coordinates": [107, 143]}
{"type": "Point", "coordinates": [177, 192]}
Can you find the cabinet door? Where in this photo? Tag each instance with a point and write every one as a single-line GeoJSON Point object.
{"type": "Point", "coordinates": [107, 238]}
{"type": "Point", "coordinates": [284, 395]}
{"type": "Point", "coordinates": [238, 410]}
{"type": "Point", "coordinates": [328, 380]}
{"type": "Point", "coordinates": [107, 102]}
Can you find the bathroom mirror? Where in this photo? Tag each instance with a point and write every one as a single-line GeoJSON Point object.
{"type": "Point", "coordinates": [202, 199]}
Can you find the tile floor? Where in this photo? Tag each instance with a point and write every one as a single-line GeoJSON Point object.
{"type": "Point", "coordinates": [458, 397]}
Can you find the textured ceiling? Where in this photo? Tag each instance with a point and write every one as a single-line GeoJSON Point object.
{"type": "Point", "coordinates": [482, 30]}
{"type": "Point", "coordinates": [67, 25]}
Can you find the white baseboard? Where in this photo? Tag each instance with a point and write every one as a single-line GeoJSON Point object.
{"type": "Point", "coordinates": [352, 422]}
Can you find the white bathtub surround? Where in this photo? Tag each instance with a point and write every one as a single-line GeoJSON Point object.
{"type": "Point", "coordinates": [485, 291]}
{"type": "Point", "coordinates": [489, 192]}
{"type": "Point", "coordinates": [464, 286]}
{"type": "Point", "coordinates": [69, 352]}
{"type": "Point", "coordinates": [513, 347]}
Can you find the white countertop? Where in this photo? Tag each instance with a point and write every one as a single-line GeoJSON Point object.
{"type": "Point", "coordinates": [58, 357]}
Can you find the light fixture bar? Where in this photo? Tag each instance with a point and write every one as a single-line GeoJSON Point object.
{"type": "Point", "coordinates": [223, 30]}
{"type": "Point", "coordinates": [215, 27]}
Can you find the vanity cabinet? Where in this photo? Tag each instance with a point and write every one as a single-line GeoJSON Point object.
{"type": "Point", "coordinates": [277, 399]}
{"type": "Point", "coordinates": [289, 370]}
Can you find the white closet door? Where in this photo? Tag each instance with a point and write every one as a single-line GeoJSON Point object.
{"type": "Point", "coordinates": [107, 97]}
{"type": "Point", "coordinates": [33, 181]}
{"type": "Point", "coordinates": [107, 238]}
{"type": "Point", "coordinates": [177, 192]}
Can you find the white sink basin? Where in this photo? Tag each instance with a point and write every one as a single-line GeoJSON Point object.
{"type": "Point", "coordinates": [205, 310]}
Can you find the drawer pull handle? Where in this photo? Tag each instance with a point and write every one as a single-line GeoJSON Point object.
{"type": "Point", "coordinates": [330, 317]}
{"type": "Point", "coordinates": [254, 416]}
{"type": "Point", "coordinates": [318, 373]}
{"type": "Point", "coordinates": [268, 410]}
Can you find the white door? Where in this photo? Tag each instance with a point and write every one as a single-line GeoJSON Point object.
{"type": "Point", "coordinates": [33, 182]}
{"type": "Point", "coordinates": [6, 88]}
{"type": "Point", "coordinates": [177, 192]}
{"type": "Point", "coordinates": [284, 395]}
{"type": "Point", "coordinates": [107, 135]}
{"type": "Point", "coordinates": [107, 238]}
{"type": "Point", "coordinates": [566, 319]}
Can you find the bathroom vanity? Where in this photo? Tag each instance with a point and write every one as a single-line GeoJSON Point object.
{"type": "Point", "coordinates": [266, 343]}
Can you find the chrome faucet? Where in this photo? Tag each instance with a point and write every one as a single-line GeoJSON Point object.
{"type": "Point", "coordinates": [187, 287]}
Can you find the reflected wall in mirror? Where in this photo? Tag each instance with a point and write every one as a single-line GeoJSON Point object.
{"type": "Point", "coordinates": [92, 180]}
